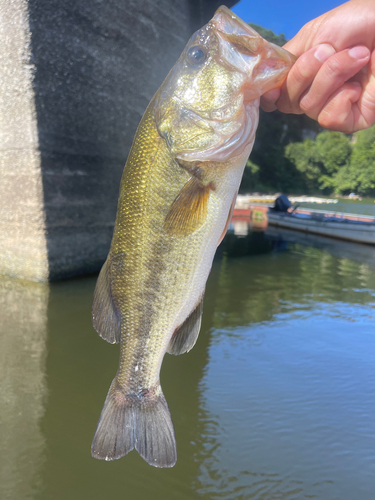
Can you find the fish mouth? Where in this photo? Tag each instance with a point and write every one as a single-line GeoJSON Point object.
{"type": "Point", "coordinates": [241, 47]}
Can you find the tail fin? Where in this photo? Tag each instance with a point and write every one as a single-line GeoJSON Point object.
{"type": "Point", "coordinates": [131, 421]}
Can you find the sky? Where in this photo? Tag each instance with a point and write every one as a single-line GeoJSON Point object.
{"type": "Point", "coordinates": [286, 16]}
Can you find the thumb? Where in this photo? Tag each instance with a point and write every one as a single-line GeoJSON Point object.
{"type": "Point", "coordinates": [268, 100]}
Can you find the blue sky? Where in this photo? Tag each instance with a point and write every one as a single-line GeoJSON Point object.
{"type": "Point", "coordinates": [282, 16]}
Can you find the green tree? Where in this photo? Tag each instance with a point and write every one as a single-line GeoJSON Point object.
{"type": "Point", "coordinates": [335, 150]}
{"type": "Point", "coordinates": [322, 162]}
{"type": "Point", "coordinates": [307, 160]}
{"type": "Point", "coordinates": [345, 180]}
{"type": "Point", "coordinates": [276, 171]}
{"type": "Point", "coordinates": [363, 161]}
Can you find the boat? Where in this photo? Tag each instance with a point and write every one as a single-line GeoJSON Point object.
{"type": "Point", "coordinates": [344, 226]}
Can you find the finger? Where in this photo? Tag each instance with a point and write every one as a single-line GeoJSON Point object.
{"type": "Point", "coordinates": [301, 76]}
{"type": "Point", "coordinates": [332, 75]}
{"type": "Point", "coordinates": [341, 112]}
{"type": "Point", "coordinates": [307, 38]}
{"type": "Point", "coordinates": [268, 100]}
{"type": "Point", "coordinates": [366, 103]}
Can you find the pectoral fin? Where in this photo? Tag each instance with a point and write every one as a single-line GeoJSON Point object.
{"type": "Point", "coordinates": [105, 316]}
{"type": "Point", "coordinates": [189, 210]}
{"type": "Point", "coordinates": [185, 337]}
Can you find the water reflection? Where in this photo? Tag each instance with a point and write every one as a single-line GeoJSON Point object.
{"type": "Point", "coordinates": [80, 367]}
{"type": "Point", "coordinates": [288, 391]}
{"type": "Point", "coordinates": [276, 400]}
{"type": "Point", "coordinates": [23, 329]}
{"type": "Point", "coordinates": [263, 287]}
{"type": "Point", "coordinates": [346, 249]}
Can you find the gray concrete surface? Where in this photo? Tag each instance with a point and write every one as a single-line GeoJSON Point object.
{"type": "Point", "coordinates": [23, 249]}
{"type": "Point", "coordinates": [75, 79]}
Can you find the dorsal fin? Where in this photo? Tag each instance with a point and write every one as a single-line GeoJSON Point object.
{"type": "Point", "coordinates": [105, 316]}
{"type": "Point", "coordinates": [185, 336]}
{"type": "Point", "coordinates": [189, 210]}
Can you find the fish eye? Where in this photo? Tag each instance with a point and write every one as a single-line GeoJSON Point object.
{"type": "Point", "coordinates": [196, 55]}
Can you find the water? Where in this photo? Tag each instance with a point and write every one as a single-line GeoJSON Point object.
{"type": "Point", "coordinates": [276, 400]}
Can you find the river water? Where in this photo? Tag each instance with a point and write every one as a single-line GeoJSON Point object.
{"type": "Point", "coordinates": [276, 400]}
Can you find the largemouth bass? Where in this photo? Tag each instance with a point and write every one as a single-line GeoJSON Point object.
{"type": "Point", "coordinates": [177, 193]}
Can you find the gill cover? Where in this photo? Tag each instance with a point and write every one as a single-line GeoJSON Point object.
{"type": "Point", "coordinates": [203, 110]}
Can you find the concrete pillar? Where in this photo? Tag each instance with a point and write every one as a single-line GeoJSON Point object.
{"type": "Point", "coordinates": [23, 246]}
{"type": "Point", "coordinates": [75, 79]}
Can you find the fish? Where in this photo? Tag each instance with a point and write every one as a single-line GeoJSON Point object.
{"type": "Point", "coordinates": [177, 194]}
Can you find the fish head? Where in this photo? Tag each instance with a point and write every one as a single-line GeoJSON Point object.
{"type": "Point", "coordinates": [207, 108]}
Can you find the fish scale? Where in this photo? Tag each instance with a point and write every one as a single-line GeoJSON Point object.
{"type": "Point", "coordinates": [176, 195]}
{"type": "Point", "coordinates": [154, 258]}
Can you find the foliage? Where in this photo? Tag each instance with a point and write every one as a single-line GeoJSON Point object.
{"type": "Point", "coordinates": [362, 167]}
{"type": "Point", "coordinates": [305, 157]}
{"type": "Point", "coordinates": [336, 162]}
{"type": "Point", "coordinates": [270, 35]}
{"type": "Point", "coordinates": [320, 161]}
{"type": "Point", "coordinates": [275, 170]}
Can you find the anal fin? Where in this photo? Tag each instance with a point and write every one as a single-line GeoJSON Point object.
{"type": "Point", "coordinates": [105, 316]}
{"type": "Point", "coordinates": [186, 335]}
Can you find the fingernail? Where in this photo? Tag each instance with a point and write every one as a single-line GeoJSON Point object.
{"type": "Point", "coordinates": [324, 51]}
{"type": "Point", "coordinates": [359, 52]}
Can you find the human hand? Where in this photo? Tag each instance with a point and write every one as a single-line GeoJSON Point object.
{"type": "Point", "coordinates": [333, 80]}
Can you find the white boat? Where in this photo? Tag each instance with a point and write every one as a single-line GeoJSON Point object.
{"type": "Point", "coordinates": [352, 227]}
